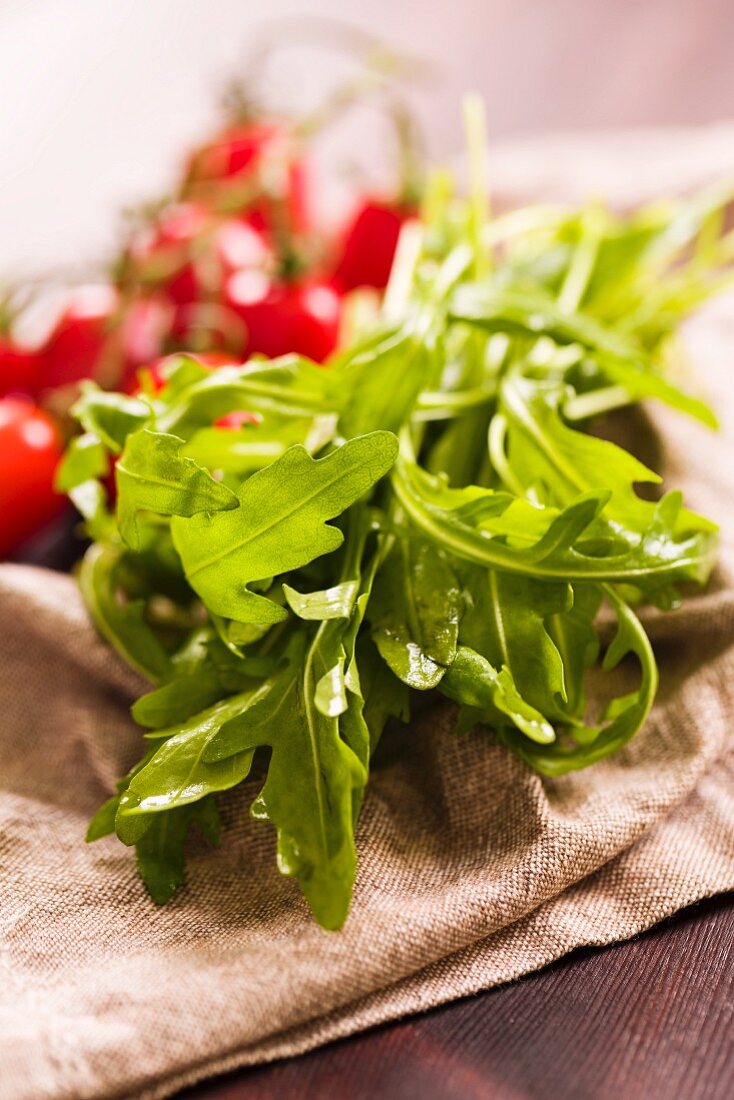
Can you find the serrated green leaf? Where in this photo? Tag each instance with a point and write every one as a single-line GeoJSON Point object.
{"type": "Point", "coordinates": [313, 780]}
{"type": "Point", "coordinates": [90, 500]}
{"type": "Point", "coordinates": [582, 746]}
{"type": "Point", "coordinates": [103, 822]}
{"type": "Point", "coordinates": [290, 386]}
{"type": "Point", "coordinates": [384, 695]}
{"type": "Point", "coordinates": [151, 475]}
{"type": "Point", "coordinates": [653, 559]}
{"type": "Point", "coordinates": [384, 383]}
{"type": "Point", "coordinates": [280, 524]}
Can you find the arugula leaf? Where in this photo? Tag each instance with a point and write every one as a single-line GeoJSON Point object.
{"type": "Point", "coordinates": [103, 822]}
{"type": "Point", "coordinates": [384, 383]}
{"type": "Point", "coordinates": [331, 603]}
{"type": "Point", "coordinates": [280, 524]}
{"type": "Point", "coordinates": [415, 613]}
{"type": "Point", "coordinates": [587, 745]}
{"type": "Point", "coordinates": [313, 779]}
{"type": "Point", "coordinates": [241, 452]}
{"type": "Point", "coordinates": [506, 622]}
{"type": "Point", "coordinates": [478, 567]}
{"type": "Point", "coordinates": [575, 637]}
{"type": "Point", "coordinates": [85, 460]}
{"type": "Point", "coordinates": [90, 500]}
{"type": "Point", "coordinates": [202, 672]}
{"type": "Point", "coordinates": [384, 695]}
{"type": "Point", "coordinates": [112, 417]}
{"type": "Point", "coordinates": [568, 462]}
{"type": "Point", "coordinates": [290, 386]}
{"type": "Point", "coordinates": [160, 851]}
{"type": "Point", "coordinates": [654, 561]}
{"type": "Point", "coordinates": [150, 474]}
{"type": "Point", "coordinates": [179, 373]}
{"type": "Point", "coordinates": [535, 314]}
{"type": "Point", "coordinates": [179, 772]}
{"type": "Point", "coordinates": [123, 624]}
{"type": "Point", "coordinates": [472, 680]}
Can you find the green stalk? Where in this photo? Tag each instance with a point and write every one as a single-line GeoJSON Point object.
{"type": "Point", "coordinates": [475, 128]}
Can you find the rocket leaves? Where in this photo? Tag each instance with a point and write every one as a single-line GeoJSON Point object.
{"type": "Point", "coordinates": [427, 512]}
{"type": "Point", "coordinates": [414, 613]}
{"type": "Point", "coordinates": [150, 474]}
{"type": "Point", "coordinates": [280, 524]}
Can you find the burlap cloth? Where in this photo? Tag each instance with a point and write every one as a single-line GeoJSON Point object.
{"type": "Point", "coordinates": [472, 870]}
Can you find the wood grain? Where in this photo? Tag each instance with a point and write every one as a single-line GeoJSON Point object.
{"type": "Point", "coordinates": [651, 1019]}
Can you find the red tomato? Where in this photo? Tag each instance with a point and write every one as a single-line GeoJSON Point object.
{"type": "Point", "coordinates": [19, 368]}
{"type": "Point", "coordinates": [30, 449]}
{"type": "Point", "coordinates": [246, 158]}
{"type": "Point", "coordinates": [368, 244]}
{"type": "Point", "coordinates": [143, 331]}
{"type": "Point", "coordinates": [188, 253]}
{"type": "Point", "coordinates": [282, 317]}
{"type": "Point", "coordinates": [73, 349]}
{"type": "Point", "coordinates": [237, 247]}
{"type": "Point", "coordinates": [161, 254]}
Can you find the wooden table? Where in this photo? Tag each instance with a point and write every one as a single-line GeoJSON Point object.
{"type": "Point", "coordinates": [650, 1019]}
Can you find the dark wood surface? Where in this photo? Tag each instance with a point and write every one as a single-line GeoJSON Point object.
{"type": "Point", "coordinates": [650, 1019]}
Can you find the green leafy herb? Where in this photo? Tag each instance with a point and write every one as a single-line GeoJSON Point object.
{"type": "Point", "coordinates": [150, 474]}
{"type": "Point", "coordinates": [280, 524]}
{"type": "Point", "coordinates": [428, 511]}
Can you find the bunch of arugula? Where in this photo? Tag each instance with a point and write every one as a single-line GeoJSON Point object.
{"type": "Point", "coordinates": [428, 512]}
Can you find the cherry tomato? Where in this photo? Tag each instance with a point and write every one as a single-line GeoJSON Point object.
{"type": "Point", "coordinates": [200, 321]}
{"type": "Point", "coordinates": [30, 449]}
{"type": "Point", "coordinates": [19, 368]}
{"type": "Point", "coordinates": [162, 254]}
{"type": "Point", "coordinates": [244, 160]}
{"type": "Point", "coordinates": [73, 349]}
{"type": "Point", "coordinates": [282, 317]}
{"type": "Point", "coordinates": [368, 244]}
{"type": "Point", "coordinates": [187, 253]}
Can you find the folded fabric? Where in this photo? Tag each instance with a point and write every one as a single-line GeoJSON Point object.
{"type": "Point", "coordinates": [473, 870]}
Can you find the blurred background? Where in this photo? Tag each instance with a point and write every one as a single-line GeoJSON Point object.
{"type": "Point", "coordinates": [99, 97]}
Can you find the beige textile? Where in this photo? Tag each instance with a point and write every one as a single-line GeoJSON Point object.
{"type": "Point", "coordinates": [472, 870]}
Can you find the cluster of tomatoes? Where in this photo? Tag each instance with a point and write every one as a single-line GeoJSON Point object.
{"type": "Point", "coordinates": [232, 268]}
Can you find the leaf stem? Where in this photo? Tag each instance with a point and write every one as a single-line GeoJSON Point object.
{"type": "Point", "coordinates": [475, 128]}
